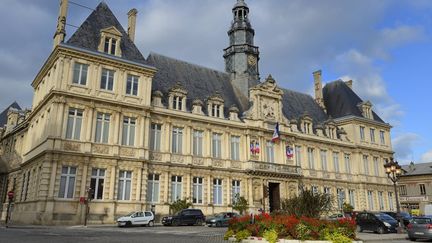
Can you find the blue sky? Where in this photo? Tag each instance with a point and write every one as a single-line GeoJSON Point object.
{"type": "Point", "coordinates": [384, 46]}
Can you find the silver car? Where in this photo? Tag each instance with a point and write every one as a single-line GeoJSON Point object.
{"type": "Point", "coordinates": [420, 228]}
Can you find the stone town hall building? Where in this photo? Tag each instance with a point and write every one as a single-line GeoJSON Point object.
{"type": "Point", "coordinates": [147, 131]}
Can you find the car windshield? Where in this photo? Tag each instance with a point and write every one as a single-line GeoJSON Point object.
{"type": "Point", "coordinates": [219, 215]}
{"type": "Point", "coordinates": [130, 214]}
{"type": "Point", "coordinates": [383, 216]}
{"type": "Point", "coordinates": [422, 220]}
{"type": "Point", "coordinates": [405, 215]}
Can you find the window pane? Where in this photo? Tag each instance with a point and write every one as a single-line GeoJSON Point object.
{"type": "Point", "coordinates": [128, 189]}
{"type": "Point", "coordinates": [71, 187]}
{"type": "Point", "coordinates": [62, 187]}
{"type": "Point", "coordinates": [69, 127]}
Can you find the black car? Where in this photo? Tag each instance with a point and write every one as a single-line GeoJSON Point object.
{"type": "Point", "coordinates": [377, 222]}
{"type": "Point", "coordinates": [406, 217]}
{"type": "Point", "coordinates": [185, 217]}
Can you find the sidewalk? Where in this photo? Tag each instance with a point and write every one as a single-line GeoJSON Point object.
{"type": "Point", "coordinates": [365, 237]}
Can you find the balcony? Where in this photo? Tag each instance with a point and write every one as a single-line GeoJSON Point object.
{"type": "Point", "coordinates": [272, 169]}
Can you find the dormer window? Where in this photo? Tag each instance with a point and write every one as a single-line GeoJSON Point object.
{"type": "Point", "coordinates": [307, 127]}
{"type": "Point", "coordinates": [215, 106]}
{"type": "Point", "coordinates": [215, 110]}
{"type": "Point", "coordinates": [366, 109]}
{"type": "Point", "coordinates": [110, 46]}
{"type": "Point", "coordinates": [177, 98]}
{"type": "Point", "coordinates": [110, 41]}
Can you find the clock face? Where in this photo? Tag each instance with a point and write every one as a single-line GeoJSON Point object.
{"type": "Point", "coordinates": [252, 60]}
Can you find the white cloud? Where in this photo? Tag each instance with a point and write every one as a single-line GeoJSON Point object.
{"type": "Point", "coordinates": [403, 146]}
{"type": "Point", "coordinates": [426, 157]}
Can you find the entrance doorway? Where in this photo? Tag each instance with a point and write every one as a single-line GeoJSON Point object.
{"type": "Point", "coordinates": [274, 196]}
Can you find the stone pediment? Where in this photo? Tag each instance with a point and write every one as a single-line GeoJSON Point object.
{"type": "Point", "coordinates": [112, 30]}
{"type": "Point", "coordinates": [266, 99]}
{"type": "Point", "coordinates": [178, 89]}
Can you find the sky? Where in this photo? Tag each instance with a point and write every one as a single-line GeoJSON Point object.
{"type": "Point", "coordinates": [384, 46]}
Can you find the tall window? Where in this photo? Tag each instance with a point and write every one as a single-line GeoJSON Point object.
{"type": "Point", "coordinates": [366, 164]}
{"type": "Point", "coordinates": [372, 135]}
{"type": "Point", "coordinates": [197, 190]}
{"type": "Point", "coordinates": [402, 189]}
{"type": "Point", "coordinates": [176, 188]}
{"type": "Point", "coordinates": [102, 127]}
{"type": "Point", "coordinates": [311, 158]}
{"type": "Point", "coordinates": [155, 136]}
{"type": "Point", "coordinates": [362, 133]}
{"type": "Point", "coordinates": [422, 189]}
{"type": "Point", "coordinates": [177, 102]}
{"type": "Point", "coordinates": [132, 85]}
{"type": "Point", "coordinates": [128, 135]}
{"type": "Point", "coordinates": [327, 190]}
{"type": "Point", "coordinates": [235, 190]}
{"type": "Point", "coordinates": [26, 182]}
{"type": "Point", "coordinates": [110, 45]}
{"type": "Point", "coordinates": [376, 166]}
{"type": "Point", "coordinates": [97, 183]}
{"type": "Point", "coordinates": [153, 188]}
{"type": "Point", "coordinates": [80, 74]}
{"type": "Point", "coordinates": [177, 140]}
{"type": "Point", "coordinates": [215, 110]}
{"type": "Point", "coordinates": [351, 195]}
{"type": "Point", "coordinates": [336, 162]}
{"type": "Point", "coordinates": [216, 145]}
{"type": "Point", "coordinates": [67, 182]}
{"type": "Point", "coordinates": [73, 130]}
{"type": "Point", "coordinates": [323, 155]}
{"type": "Point", "coordinates": [217, 191]}
{"type": "Point", "coordinates": [390, 199]}
{"type": "Point", "coordinates": [340, 197]}
{"type": "Point", "coordinates": [298, 155]}
{"type": "Point", "coordinates": [107, 79]}
{"type": "Point", "coordinates": [23, 187]}
{"type": "Point", "coordinates": [382, 138]}
{"type": "Point", "coordinates": [370, 200]}
{"type": "Point", "coordinates": [235, 147]}
{"type": "Point", "coordinates": [198, 142]}
{"type": "Point", "coordinates": [347, 163]}
{"type": "Point", "coordinates": [380, 200]}
{"type": "Point", "coordinates": [124, 185]}
{"type": "Point", "coordinates": [270, 152]}
{"type": "Point", "coordinates": [314, 190]}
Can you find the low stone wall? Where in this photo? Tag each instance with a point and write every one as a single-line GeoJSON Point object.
{"type": "Point", "coordinates": [262, 240]}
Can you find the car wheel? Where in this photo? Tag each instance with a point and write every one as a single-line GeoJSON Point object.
{"type": "Point", "coordinates": [412, 239]}
{"type": "Point", "coordinates": [128, 224]}
{"type": "Point", "coordinates": [380, 230]}
{"type": "Point", "coordinates": [218, 224]}
{"type": "Point", "coordinates": [151, 223]}
{"type": "Point", "coordinates": [175, 222]}
{"type": "Point", "coordinates": [199, 222]}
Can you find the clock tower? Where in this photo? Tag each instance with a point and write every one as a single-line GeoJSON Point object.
{"type": "Point", "coordinates": [241, 57]}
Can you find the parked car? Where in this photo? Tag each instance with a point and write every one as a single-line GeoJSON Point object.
{"type": "Point", "coordinates": [185, 217]}
{"type": "Point", "coordinates": [377, 222]}
{"type": "Point", "coordinates": [137, 218]}
{"type": "Point", "coordinates": [406, 217]}
{"type": "Point", "coordinates": [420, 228]}
{"type": "Point", "coordinates": [220, 219]}
{"type": "Point", "coordinates": [336, 216]}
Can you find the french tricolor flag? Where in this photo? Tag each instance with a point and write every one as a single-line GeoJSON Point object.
{"type": "Point", "coordinates": [276, 134]}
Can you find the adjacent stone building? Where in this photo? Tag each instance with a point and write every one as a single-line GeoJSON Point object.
{"type": "Point", "coordinates": [415, 187]}
{"type": "Point", "coordinates": [148, 131]}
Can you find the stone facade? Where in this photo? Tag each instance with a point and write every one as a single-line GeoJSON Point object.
{"type": "Point", "coordinates": [109, 130]}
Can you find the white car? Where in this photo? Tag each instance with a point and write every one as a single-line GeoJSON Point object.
{"type": "Point", "coordinates": [137, 218]}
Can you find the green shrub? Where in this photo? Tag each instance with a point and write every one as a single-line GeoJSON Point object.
{"type": "Point", "coordinates": [303, 231]}
{"type": "Point", "coordinates": [240, 204]}
{"type": "Point", "coordinates": [243, 234]}
{"type": "Point", "coordinates": [271, 236]}
{"type": "Point", "coordinates": [228, 234]}
{"type": "Point", "coordinates": [179, 205]}
{"type": "Point", "coordinates": [308, 204]}
{"type": "Point", "coordinates": [337, 237]}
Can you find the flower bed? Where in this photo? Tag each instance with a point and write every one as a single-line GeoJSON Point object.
{"type": "Point", "coordinates": [274, 228]}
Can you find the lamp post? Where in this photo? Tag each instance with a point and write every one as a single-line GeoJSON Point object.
{"type": "Point", "coordinates": [393, 171]}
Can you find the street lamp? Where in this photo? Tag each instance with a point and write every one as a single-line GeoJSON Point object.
{"type": "Point", "coordinates": [393, 171]}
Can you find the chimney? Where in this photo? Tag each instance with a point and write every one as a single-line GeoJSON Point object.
{"type": "Point", "coordinates": [132, 23]}
{"type": "Point", "coordinates": [60, 33]}
{"type": "Point", "coordinates": [349, 83]}
{"type": "Point", "coordinates": [318, 88]}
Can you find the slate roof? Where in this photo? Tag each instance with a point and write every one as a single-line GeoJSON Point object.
{"type": "Point", "coordinates": [3, 115]}
{"type": "Point", "coordinates": [340, 100]}
{"type": "Point", "coordinates": [297, 104]}
{"type": "Point", "coordinates": [88, 34]}
{"type": "Point", "coordinates": [200, 82]}
{"type": "Point", "coordinates": [417, 169]}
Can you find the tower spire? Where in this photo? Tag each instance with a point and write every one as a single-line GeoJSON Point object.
{"type": "Point", "coordinates": [60, 33]}
{"type": "Point", "coordinates": [241, 56]}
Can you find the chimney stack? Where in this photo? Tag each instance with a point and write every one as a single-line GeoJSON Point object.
{"type": "Point", "coordinates": [60, 33]}
{"type": "Point", "coordinates": [318, 88]}
{"type": "Point", "coordinates": [349, 83]}
{"type": "Point", "coordinates": [132, 23]}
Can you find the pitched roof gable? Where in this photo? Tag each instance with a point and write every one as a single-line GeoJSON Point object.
{"type": "Point", "coordinates": [89, 33]}
{"type": "Point", "coordinates": [340, 100]}
{"type": "Point", "coordinates": [3, 115]}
